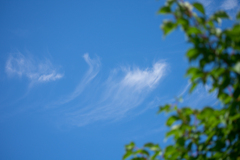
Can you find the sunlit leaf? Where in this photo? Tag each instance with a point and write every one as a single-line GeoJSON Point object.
{"type": "Point", "coordinates": [221, 14]}
{"type": "Point", "coordinates": [238, 15]}
{"type": "Point", "coordinates": [130, 146]}
{"type": "Point", "coordinates": [127, 154]}
{"type": "Point", "coordinates": [209, 132]}
{"type": "Point", "coordinates": [237, 67]}
{"type": "Point", "coordinates": [151, 146]}
{"type": "Point", "coordinates": [171, 120]}
{"type": "Point", "coordinates": [168, 26]}
{"type": "Point", "coordinates": [165, 10]}
{"type": "Point", "coordinates": [199, 7]}
{"type": "Point", "coordinates": [192, 53]}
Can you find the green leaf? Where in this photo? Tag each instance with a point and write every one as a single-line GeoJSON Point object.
{"type": "Point", "coordinates": [237, 68]}
{"type": "Point", "coordinates": [234, 32]}
{"type": "Point", "coordinates": [138, 158]}
{"type": "Point", "coordinates": [192, 53]}
{"type": "Point", "coordinates": [210, 131]}
{"type": "Point", "coordinates": [187, 111]}
{"type": "Point", "coordinates": [233, 118]}
{"type": "Point", "coordinates": [165, 108]}
{"type": "Point", "coordinates": [127, 154]}
{"type": "Point", "coordinates": [130, 146]}
{"type": "Point", "coordinates": [170, 2]}
{"type": "Point", "coordinates": [193, 70]}
{"type": "Point", "coordinates": [142, 151]}
{"type": "Point", "coordinates": [221, 14]}
{"type": "Point", "coordinates": [181, 141]}
{"type": "Point", "coordinates": [171, 120]}
{"type": "Point", "coordinates": [238, 15]}
{"type": "Point", "coordinates": [184, 22]}
{"type": "Point", "coordinates": [186, 5]}
{"type": "Point", "coordinates": [193, 30]}
{"type": "Point", "coordinates": [168, 26]}
{"type": "Point", "coordinates": [236, 93]}
{"type": "Point", "coordinates": [216, 31]}
{"type": "Point", "coordinates": [173, 132]}
{"type": "Point", "coordinates": [149, 145]}
{"type": "Point", "coordinates": [199, 7]}
{"type": "Point", "coordinates": [153, 147]}
{"type": "Point", "coordinates": [164, 10]}
{"type": "Point", "coordinates": [157, 153]}
{"type": "Point", "coordinates": [193, 86]}
{"type": "Point", "coordinates": [169, 150]}
{"type": "Point", "coordinates": [205, 113]}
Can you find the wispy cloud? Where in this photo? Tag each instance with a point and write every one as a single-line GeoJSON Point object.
{"type": "Point", "coordinates": [199, 98]}
{"type": "Point", "coordinates": [124, 90]}
{"type": "Point", "coordinates": [35, 71]}
{"type": "Point", "coordinates": [231, 6]}
{"type": "Point", "coordinates": [94, 67]}
{"type": "Point", "coordinates": [140, 79]}
{"type": "Point", "coordinates": [206, 3]}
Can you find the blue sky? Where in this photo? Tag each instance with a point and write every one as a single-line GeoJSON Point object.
{"type": "Point", "coordinates": [80, 79]}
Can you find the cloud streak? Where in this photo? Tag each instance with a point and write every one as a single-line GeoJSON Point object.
{"type": "Point", "coordinates": [94, 67]}
{"type": "Point", "coordinates": [231, 6]}
{"type": "Point", "coordinates": [124, 90]}
{"type": "Point", "coordinates": [18, 64]}
{"type": "Point", "coordinates": [140, 79]}
{"type": "Point", "coordinates": [199, 98]}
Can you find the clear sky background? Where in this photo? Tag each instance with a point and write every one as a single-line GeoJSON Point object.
{"type": "Point", "coordinates": [80, 79]}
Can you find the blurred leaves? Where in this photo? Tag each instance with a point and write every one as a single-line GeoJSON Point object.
{"type": "Point", "coordinates": [165, 10]}
{"type": "Point", "coordinates": [199, 7]}
{"type": "Point", "coordinates": [207, 133]}
{"type": "Point", "coordinates": [168, 26]}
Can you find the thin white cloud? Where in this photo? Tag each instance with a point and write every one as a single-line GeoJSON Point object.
{"type": "Point", "coordinates": [206, 3]}
{"type": "Point", "coordinates": [124, 90]}
{"type": "Point", "coordinates": [94, 67]}
{"type": "Point", "coordinates": [49, 77]}
{"type": "Point", "coordinates": [18, 64]}
{"type": "Point", "coordinates": [199, 98]}
{"type": "Point", "coordinates": [140, 79]}
{"type": "Point", "coordinates": [229, 4]}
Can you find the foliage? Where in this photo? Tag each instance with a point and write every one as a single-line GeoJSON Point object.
{"type": "Point", "coordinates": [207, 133]}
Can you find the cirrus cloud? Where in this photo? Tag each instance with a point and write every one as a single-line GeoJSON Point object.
{"type": "Point", "coordinates": [18, 64]}
{"type": "Point", "coordinates": [125, 89]}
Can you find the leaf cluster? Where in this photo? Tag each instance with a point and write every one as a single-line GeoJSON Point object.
{"type": "Point", "coordinates": [207, 133]}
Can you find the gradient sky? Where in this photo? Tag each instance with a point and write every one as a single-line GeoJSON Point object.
{"type": "Point", "coordinates": [80, 79]}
